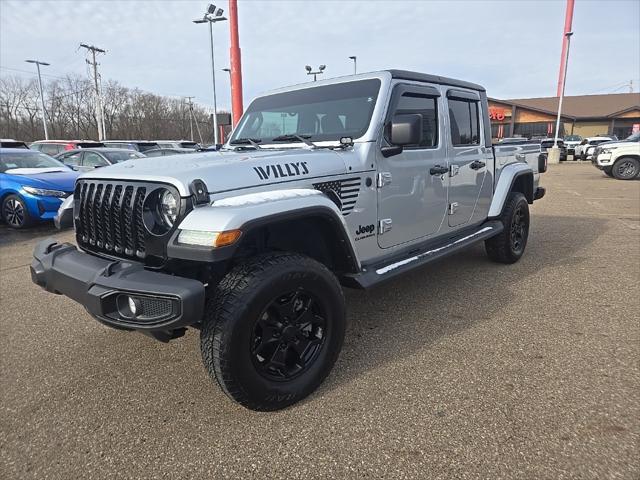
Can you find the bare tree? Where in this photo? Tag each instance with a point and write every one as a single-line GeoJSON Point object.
{"type": "Point", "coordinates": [69, 104]}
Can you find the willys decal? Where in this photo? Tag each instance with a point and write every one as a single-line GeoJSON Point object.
{"type": "Point", "coordinates": [293, 169]}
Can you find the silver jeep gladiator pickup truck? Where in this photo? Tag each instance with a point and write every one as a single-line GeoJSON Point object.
{"type": "Point", "coordinates": [351, 181]}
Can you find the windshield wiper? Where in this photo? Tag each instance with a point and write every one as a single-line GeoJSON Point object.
{"type": "Point", "coordinates": [247, 141]}
{"type": "Point", "coordinates": [301, 138]}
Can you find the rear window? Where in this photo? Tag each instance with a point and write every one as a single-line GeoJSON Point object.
{"type": "Point", "coordinates": [89, 144]}
{"type": "Point", "coordinates": [189, 145]}
{"type": "Point", "coordinates": [51, 148]}
{"type": "Point", "coordinates": [6, 144]}
{"type": "Point", "coordinates": [144, 146]}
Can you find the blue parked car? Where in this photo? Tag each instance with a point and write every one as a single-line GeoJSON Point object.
{"type": "Point", "coordinates": [32, 186]}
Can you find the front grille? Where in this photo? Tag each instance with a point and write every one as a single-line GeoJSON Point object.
{"type": "Point", "coordinates": [109, 217]}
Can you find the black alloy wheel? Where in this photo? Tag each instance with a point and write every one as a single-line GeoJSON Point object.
{"type": "Point", "coordinates": [626, 168]}
{"type": "Point", "coordinates": [518, 230]}
{"type": "Point", "coordinates": [288, 336]}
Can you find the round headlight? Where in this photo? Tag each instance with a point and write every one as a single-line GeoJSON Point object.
{"type": "Point", "coordinates": [169, 206]}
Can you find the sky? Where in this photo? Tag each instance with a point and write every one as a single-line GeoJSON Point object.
{"type": "Point", "coordinates": [510, 47]}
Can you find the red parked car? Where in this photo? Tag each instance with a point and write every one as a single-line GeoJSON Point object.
{"type": "Point", "coordinates": [54, 147]}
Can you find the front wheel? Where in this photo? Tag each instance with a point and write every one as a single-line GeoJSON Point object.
{"type": "Point", "coordinates": [626, 168]}
{"type": "Point", "coordinates": [508, 246]}
{"type": "Point", "coordinates": [15, 213]}
{"type": "Point", "coordinates": [273, 330]}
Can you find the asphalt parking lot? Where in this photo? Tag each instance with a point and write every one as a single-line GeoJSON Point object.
{"type": "Point", "coordinates": [465, 369]}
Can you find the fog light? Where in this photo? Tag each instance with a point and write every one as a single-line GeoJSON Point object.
{"type": "Point", "coordinates": [134, 306]}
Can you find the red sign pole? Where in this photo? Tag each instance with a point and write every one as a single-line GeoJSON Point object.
{"type": "Point", "coordinates": [568, 20]}
{"type": "Point", "coordinates": [236, 64]}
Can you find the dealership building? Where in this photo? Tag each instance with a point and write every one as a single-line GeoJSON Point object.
{"type": "Point", "coordinates": [584, 115]}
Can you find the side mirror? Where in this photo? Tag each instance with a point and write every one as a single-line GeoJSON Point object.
{"type": "Point", "coordinates": [405, 129]}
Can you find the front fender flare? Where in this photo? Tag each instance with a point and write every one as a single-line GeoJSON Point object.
{"type": "Point", "coordinates": [249, 211]}
{"type": "Point", "coordinates": [508, 176]}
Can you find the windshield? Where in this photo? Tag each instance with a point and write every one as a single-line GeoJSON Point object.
{"type": "Point", "coordinates": [572, 138]}
{"type": "Point", "coordinates": [115, 157]}
{"type": "Point", "coordinates": [317, 113]}
{"type": "Point", "coordinates": [634, 137]}
{"type": "Point", "coordinates": [10, 161]}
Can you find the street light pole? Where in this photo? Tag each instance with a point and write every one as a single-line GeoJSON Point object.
{"type": "Point", "coordinates": [212, 16]}
{"type": "Point", "coordinates": [355, 64]}
{"type": "Point", "coordinates": [44, 113]}
{"type": "Point", "coordinates": [316, 73]}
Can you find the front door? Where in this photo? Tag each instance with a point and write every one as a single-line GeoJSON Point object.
{"type": "Point", "coordinates": [469, 159]}
{"type": "Point", "coordinates": [412, 201]}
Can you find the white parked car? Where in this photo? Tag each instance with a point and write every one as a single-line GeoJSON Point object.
{"type": "Point", "coordinates": [571, 142]}
{"type": "Point", "coordinates": [620, 160]}
{"type": "Point", "coordinates": [581, 150]}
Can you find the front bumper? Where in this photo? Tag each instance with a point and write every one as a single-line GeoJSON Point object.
{"type": "Point", "coordinates": [164, 303]}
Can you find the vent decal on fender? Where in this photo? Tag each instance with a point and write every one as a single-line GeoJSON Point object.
{"type": "Point", "coordinates": [343, 192]}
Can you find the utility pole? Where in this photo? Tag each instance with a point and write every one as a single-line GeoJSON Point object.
{"type": "Point", "coordinates": [190, 115]}
{"type": "Point", "coordinates": [100, 111]}
{"type": "Point", "coordinates": [44, 113]}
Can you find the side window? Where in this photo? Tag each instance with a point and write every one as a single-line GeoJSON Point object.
{"type": "Point", "coordinates": [94, 160]}
{"type": "Point", "coordinates": [72, 159]}
{"type": "Point", "coordinates": [463, 116]}
{"type": "Point", "coordinates": [426, 106]}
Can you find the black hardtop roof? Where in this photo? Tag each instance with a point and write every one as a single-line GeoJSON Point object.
{"type": "Point", "coordinates": [425, 77]}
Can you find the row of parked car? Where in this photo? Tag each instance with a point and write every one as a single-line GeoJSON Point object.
{"type": "Point", "coordinates": [616, 158]}
{"type": "Point", "coordinates": [36, 178]}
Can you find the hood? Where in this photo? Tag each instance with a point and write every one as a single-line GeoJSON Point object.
{"type": "Point", "coordinates": [615, 143]}
{"type": "Point", "coordinates": [227, 170]}
{"type": "Point", "coordinates": [54, 180]}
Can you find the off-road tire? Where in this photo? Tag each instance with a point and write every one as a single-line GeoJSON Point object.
{"type": "Point", "coordinates": [509, 245]}
{"type": "Point", "coordinates": [15, 213]}
{"type": "Point", "coordinates": [626, 168]}
{"type": "Point", "coordinates": [233, 311]}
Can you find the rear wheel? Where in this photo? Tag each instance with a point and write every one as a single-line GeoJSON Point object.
{"type": "Point", "coordinates": [273, 330]}
{"type": "Point", "coordinates": [626, 168]}
{"type": "Point", "coordinates": [15, 213]}
{"type": "Point", "coordinates": [509, 245]}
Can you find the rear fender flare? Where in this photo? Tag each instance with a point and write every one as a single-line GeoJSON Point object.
{"type": "Point", "coordinates": [510, 174]}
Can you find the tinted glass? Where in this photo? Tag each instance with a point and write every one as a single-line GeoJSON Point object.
{"type": "Point", "coordinates": [50, 148]}
{"type": "Point", "coordinates": [463, 117]}
{"type": "Point", "coordinates": [71, 159]}
{"type": "Point", "coordinates": [142, 147]}
{"type": "Point", "coordinates": [189, 145]}
{"type": "Point", "coordinates": [92, 159]}
{"type": "Point", "coordinates": [12, 160]}
{"type": "Point", "coordinates": [154, 153]}
{"type": "Point", "coordinates": [326, 113]}
{"type": "Point", "coordinates": [115, 157]}
{"type": "Point", "coordinates": [426, 107]}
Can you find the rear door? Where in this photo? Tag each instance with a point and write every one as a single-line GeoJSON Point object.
{"type": "Point", "coordinates": [411, 201]}
{"type": "Point", "coordinates": [469, 159]}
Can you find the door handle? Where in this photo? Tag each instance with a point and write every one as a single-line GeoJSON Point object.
{"type": "Point", "coordinates": [438, 170]}
{"type": "Point", "coordinates": [477, 165]}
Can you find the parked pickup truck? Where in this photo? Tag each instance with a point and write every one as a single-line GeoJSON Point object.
{"type": "Point", "coordinates": [345, 182]}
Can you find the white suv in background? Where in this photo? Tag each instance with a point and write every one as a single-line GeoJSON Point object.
{"type": "Point", "coordinates": [620, 160]}
{"type": "Point", "coordinates": [581, 150]}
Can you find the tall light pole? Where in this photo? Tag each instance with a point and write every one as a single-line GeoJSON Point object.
{"type": "Point", "coordinates": [212, 16]}
{"type": "Point", "coordinates": [44, 113]}
{"type": "Point", "coordinates": [355, 64]}
{"type": "Point", "coordinates": [316, 73]}
{"type": "Point", "coordinates": [554, 155]}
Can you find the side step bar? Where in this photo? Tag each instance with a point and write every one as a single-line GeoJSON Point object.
{"type": "Point", "coordinates": [375, 274]}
